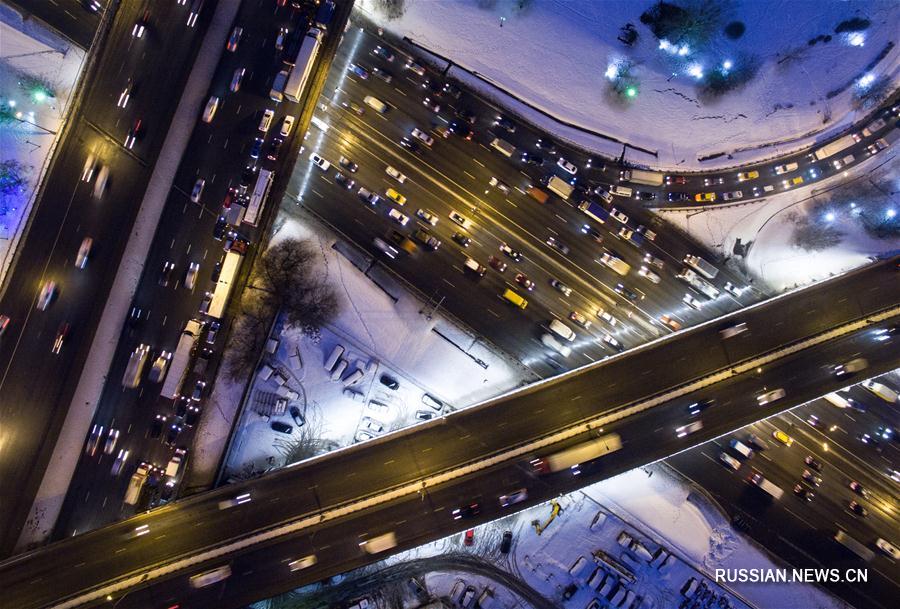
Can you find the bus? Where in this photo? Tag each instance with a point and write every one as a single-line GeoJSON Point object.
{"type": "Point", "coordinates": [580, 453]}
{"type": "Point", "coordinates": [303, 64]}
{"type": "Point", "coordinates": [854, 546]}
{"type": "Point", "coordinates": [701, 266]}
{"type": "Point", "coordinates": [258, 197]}
{"type": "Point", "coordinates": [842, 143]}
{"type": "Point", "coordinates": [223, 285]}
{"type": "Point", "coordinates": [181, 358]}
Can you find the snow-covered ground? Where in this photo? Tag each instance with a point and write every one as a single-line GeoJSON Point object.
{"type": "Point", "coordinates": [674, 535]}
{"type": "Point", "coordinates": [27, 51]}
{"type": "Point", "coordinates": [784, 106]}
{"type": "Point", "coordinates": [768, 225]}
{"type": "Point", "coordinates": [379, 336]}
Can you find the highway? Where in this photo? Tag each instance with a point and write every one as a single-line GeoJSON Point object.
{"type": "Point", "coordinates": [468, 437]}
{"type": "Point", "coordinates": [65, 214]}
{"type": "Point", "coordinates": [219, 152]}
{"type": "Point", "coordinates": [800, 531]}
{"type": "Point", "coordinates": [454, 174]}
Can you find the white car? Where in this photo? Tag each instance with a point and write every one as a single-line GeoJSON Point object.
{"type": "Point", "coordinates": [90, 165]}
{"type": "Point", "coordinates": [197, 192]}
{"type": "Point", "coordinates": [47, 294]}
{"type": "Point", "coordinates": [371, 425]}
{"type": "Point", "coordinates": [394, 173]}
{"type": "Point", "coordinates": [378, 407]}
{"type": "Point", "coordinates": [730, 461]}
{"type": "Point", "coordinates": [605, 316]}
{"type": "Point", "coordinates": [566, 166]}
{"type": "Point", "coordinates": [459, 219]}
{"type": "Point", "coordinates": [770, 396]}
{"type": "Point", "coordinates": [190, 277]}
{"type": "Point", "coordinates": [286, 125]}
{"type": "Point", "coordinates": [690, 301]}
{"type": "Point", "coordinates": [303, 563]}
{"type": "Point", "coordinates": [399, 218]}
{"type": "Point", "coordinates": [319, 162]}
{"type": "Point", "coordinates": [422, 137]}
{"type": "Point", "coordinates": [615, 213]}
{"type": "Point", "coordinates": [888, 548]}
{"type": "Point", "coordinates": [84, 252]}
{"type": "Point", "coordinates": [651, 275]}
{"type": "Point", "coordinates": [688, 429]}
{"type": "Point", "coordinates": [733, 195]}
{"type": "Point", "coordinates": [428, 215]}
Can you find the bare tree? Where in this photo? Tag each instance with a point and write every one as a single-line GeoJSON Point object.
{"type": "Point", "coordinates": [392, 9]}
{"type": "Point", "coordinates": [815, 236]}
{"type": "Point", "coordinates": [286, 280]}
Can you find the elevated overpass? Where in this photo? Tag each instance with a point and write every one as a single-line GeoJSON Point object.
{"type": "Point", "coordinates": [408, 482]}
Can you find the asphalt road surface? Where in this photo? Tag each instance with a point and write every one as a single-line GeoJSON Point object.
{"type": "Point", "coordinates": [140, 419]}
{"type": "Point", "coordinates": [468, 437]}
{"type": "Point", "coordinates": [801, 531]}
{"type": "Point", "coordinates": [454, 174]}
{"type": "Point", "coordinates": [36, 384]}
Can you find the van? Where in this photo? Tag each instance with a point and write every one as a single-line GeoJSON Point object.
{"type": "Point", "coordinates": [503, 147]}
{"type": "Point", "coordinates": [376, 104]}
{"type": "Point", "coordinates": [742, 449]}
{"type": "Point", "coordinates": [621, 191]}
{"type": "Point", "coordinates": [276, 93]}
{"type": "Point", "coordinates": [836, 400]}
{"type": "Point", "coordinates": [176, 462]}
{"type": "Point", "coordinates": [210, 111]}
{"type": "Point", "coordinates": [136, 484]}
{"type": "Point", "coordinates": [538, 195]}
{"type": "Point", "coordinates": [562, 330]}
{"type": "Point", "coordinates": [554, 344]}
{"type": "Point", "coordinates": [473, 266]}
{"type": "Point", "coordinates": [513, 298]}
{"type": "Point", "coordinates": [881, 390]}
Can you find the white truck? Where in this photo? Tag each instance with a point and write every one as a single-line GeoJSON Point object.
{"type": "Point", "coordinates": [181, 358]}
{"type": "Point", "coordinates": [767, 486]}
{"type": "Point", "coordinates": [503, 147]}
{"type": "Point", "coordinates": [698, 283]}
{"type": "Point", "coordinates": [701, 266]}
{"type": "Point", "coordinates": [560, 187]}
{"type": "Point", "coordinates": [640, 176]}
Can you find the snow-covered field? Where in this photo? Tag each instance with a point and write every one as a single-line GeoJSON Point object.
{"type": "Point", "coordinates": [379, 336]}
{"type": "Point", "coordinates": [674, 536]}
{"type": "Point", "coordinates": [785, 103]}
{"type": "Point", "coordinates": [768, 225]}
{"type": "Point", "coordinates": [26, 50]}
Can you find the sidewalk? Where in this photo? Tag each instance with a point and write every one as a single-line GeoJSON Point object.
{"type": "Point", "coordinates": [55, 60]}
{"type": "Point", "coordinates": [61, 468]}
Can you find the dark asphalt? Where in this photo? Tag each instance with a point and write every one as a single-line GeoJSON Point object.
{"type": "Point", "coordinates": [35, 384]}
{"type": "Point", "coordinates": [218, 153]}
{"type": "Point", "coordinates": [470, 436]}
{"type": "Point", "coordinates": [801, 532]}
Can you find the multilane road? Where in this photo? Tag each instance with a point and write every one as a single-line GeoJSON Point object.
{"type": "Point", "coordinates": [470, 436]}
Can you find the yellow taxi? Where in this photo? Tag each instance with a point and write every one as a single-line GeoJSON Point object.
{"type": "Point", "coordinates": [395, 196]}
{"type": "Point", "coordinates": [792, 182]}
{"type": "Point", "coordinates": [704, 197]}
{"type": "Point", "coordinates": [747, 175]}
{"type": "Point", "coordinates": [782, 437]}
